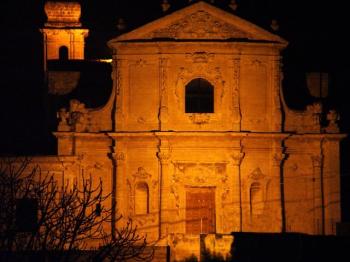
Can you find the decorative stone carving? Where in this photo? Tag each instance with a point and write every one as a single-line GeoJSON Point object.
{"type": "Point", "coordinates": [163, 156]}
{"type": "Point", "coordinates": [140, 63]}
{"type": "Point", "coordinates": [164, 151]}
{"type": "Point", "coordinates": [199, 25]}
{"type": "Point", "coordinates": [119, 156]}
{"type": "Point", "coordinates": [236, 111]}
{"type": "Point", "coordinates": [256, 174]}
{"type": "Point", "coordinates": [118, 85]}
{"type": "Point", "coordinates": [200, 118]}
{"type": "Point", "coordinates": [154, 184]}
{"type": "Point", "coordinates": [317, 161]}
{"type": "Point", "coordinates": [258, 181]}
{"type": "Point", "coordinates": [203, 174]}
{"type": "Point", "coordinates": [199, 69]}
{"type": "Point", "coordinates": [305, 121]}
{"type": "Point", "coordinates": [237, 157]}
{"type": "Point", "coordinates": [278, 157]}
{"type": "Point", "coordinates": [131, 196]}
{"type": "Point", "coordinates": [224, 196]}
{"type": "Point", "coordinates": [333, 118]}
{"type": "Point", "coordinates": [200, 57]}
{"type": "Point", "coordinates": [142, 174]}
{"type": "Point", "coordinates": [314, 110]}
{"type": "Point", "coordinates": [174, 192]}
{"type": "Point", "coordinates": [164, 115]}
{"type": "Point", "coordinates": [147, 219]}
{"type": "Point", "coordinates": [77, 119]}
{"type": "Point", "coordinates": [63, 117]}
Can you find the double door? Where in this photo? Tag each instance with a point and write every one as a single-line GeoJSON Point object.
{"type": "Point", "coordinates": [200, 210]}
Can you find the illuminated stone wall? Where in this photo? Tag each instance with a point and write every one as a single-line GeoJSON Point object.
{"type": "Point", "coordinates": [268, 173]}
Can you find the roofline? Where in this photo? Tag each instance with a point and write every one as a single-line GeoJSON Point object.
{"type": "Point", "coordinates": [178, 14]}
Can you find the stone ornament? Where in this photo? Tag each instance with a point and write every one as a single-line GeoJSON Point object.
{"type": "Point", "coordinates": [142, 174]}
{"type": "Point", "coordinates": [237, 158]}
{"type": "Point", "coordinates": [199, 118]}
{"type": "Point", "coordinates": [199, 25]}
{"type": "Point", "coordinates": [333, 118]}
{"type": "Point", "coordinates": [77, 119]}
{"type": "Point", "coordinates": [317, 161]}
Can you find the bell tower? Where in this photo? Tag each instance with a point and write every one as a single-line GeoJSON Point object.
{"type": "Point", "coordinates": [64, 37]}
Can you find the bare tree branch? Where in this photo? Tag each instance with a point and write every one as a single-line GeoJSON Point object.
{"type": "Point", "coordinates": [68, 217]}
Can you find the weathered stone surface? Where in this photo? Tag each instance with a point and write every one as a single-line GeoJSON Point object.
{"type": "Point", "coordinates": [268, 173]}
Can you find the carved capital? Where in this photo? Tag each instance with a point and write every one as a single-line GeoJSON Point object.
{"type": "Point", "coordinates": [317, 161]}
{"type": "Point", "coordinates": [278, 158]}
{"type": "Point", "coordinates": [164, 156]}
{"type": "Point", "coordinates": [237, 158]}
{"type": "Point", "coordinates": [119, 156]}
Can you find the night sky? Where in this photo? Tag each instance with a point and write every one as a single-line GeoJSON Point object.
{"type": "Point", "coordinates": [316, 30]}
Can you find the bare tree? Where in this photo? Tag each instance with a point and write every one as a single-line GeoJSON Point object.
{"type": "Point", "coordinates": [39, 215]}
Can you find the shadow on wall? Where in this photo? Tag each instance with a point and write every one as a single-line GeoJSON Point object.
{"type": "Point", "coordinates": [289, 247]}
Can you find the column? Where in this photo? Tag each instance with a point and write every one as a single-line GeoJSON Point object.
{"type": "Point", "coordinates": [317, 166]}
{"type": "Point", "coordinates": [118, 188]}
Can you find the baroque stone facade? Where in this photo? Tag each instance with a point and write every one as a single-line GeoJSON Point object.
{"type": "Point", "coordinates": [248, 164]}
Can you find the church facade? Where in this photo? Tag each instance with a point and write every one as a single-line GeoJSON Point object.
{"type": "Point", "coordinates": [196, 137]}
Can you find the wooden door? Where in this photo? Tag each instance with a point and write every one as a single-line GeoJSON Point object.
{"type": "Point", "coordinates": [200, 210]}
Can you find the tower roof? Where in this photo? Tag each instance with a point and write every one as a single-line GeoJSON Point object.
{"type": "Point", "coordinates": [62, 14]}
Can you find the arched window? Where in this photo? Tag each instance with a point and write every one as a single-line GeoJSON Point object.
{"type": "Point", "coordinates": [141, 199]}
{"type": "Point", "coordinates": [256, 199]}
{"type": "Point", "coordinates": [199, 97]}
{"type": "Point", "coordinates": [63, 53]}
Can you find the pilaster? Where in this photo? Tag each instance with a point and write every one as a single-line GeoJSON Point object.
{"type": "Point", "coordinates": [163, 156]}
{"type": "Point", "coordinates": [318, 206]}
{"type": "Point", "coordinates": [237, 157]}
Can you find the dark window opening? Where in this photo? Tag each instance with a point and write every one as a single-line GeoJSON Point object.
{"type": "Point", "coordinates": [199, 96]}
{"type": "Point", "coordinates": [98, 210]}
{"type": "Point", "coordinates": [63, 53]}
{"type": "Point", "coordinates": [26, 214]}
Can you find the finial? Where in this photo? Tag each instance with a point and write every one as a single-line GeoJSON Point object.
{"type": "Point", "coordinates": [274, 25]}
{"type": "Point", "coordinates": [121, 25]}
{"type": "Point", "coordinates": [233, 5]}
{"type": "Point", "coordinates": [165, 5]}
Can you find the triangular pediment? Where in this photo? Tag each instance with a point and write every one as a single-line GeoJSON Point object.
{"type": "Point", "coordinates": [200, 21]}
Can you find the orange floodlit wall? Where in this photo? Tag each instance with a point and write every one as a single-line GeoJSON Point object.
{"type": "Point", "coordinates": [192, 139]}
